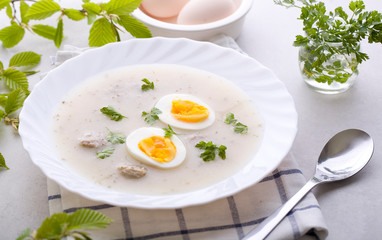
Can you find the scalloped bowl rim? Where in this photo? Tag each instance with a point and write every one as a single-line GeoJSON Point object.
{"type": "Point", "coordinates": [275, 105]}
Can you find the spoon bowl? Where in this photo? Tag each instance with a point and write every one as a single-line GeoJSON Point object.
{"type": "Point", "coordinates": [345, 154]}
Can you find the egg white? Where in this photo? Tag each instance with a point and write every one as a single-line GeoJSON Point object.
{"type": "Point", "coordinates": [145, 132]}
{"type": "Point", "coordinates": [165, 104]}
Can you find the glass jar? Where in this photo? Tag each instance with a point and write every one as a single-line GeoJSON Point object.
{"type": "Point", "coordinates": [334, 75]}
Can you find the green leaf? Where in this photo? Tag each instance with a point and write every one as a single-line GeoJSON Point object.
{"type": "Point", "coordinates": [101, 33]}
{"type": "Point", "coordinates": [45, 31]}
{"type": "Point", "coordinates": [1, 67]}
{"type": "Point", "coordinates": [88, 219]}
{"type": "Point", "coordinates": [152, 116]}
{"type": "Point", "coordinates": [221, 151]}
{"type": "Point", "coordinates": [240, 128]}
{"type": "Point", "coordinates": [91, 18]}
{"type": "Point", "coordinates": [208, 155]}
{"type": "Point", "coordinates": [4, 3]}
{"type": "Point", "coordinates": [29, 73]}
{"type": "Point", "coordinates": [26, 233]}
{"type": "Point", "coordinates": [74, 14]}
{"type": "Point", "coordinates": [230, 119]}
{"type": "Point", "coordinates": [61, 225]}
{"type": "Point", "coordinates": [52, 227]}
{"type": "Point", "coordinates": [92, 10]}
{"type": "Point", "coordinates": [352, 6]}
{"type": "Point", "coordinates": [11, 35]}
{"type": "Point", "coordinates": [59, 36]}
{"type": "Point", "coordinates": [9, 11]}
{"type": "Point", "coordinates": [115, 138]}
{"type": "Point", "coordinates": [112, 113]}
{"type": "Point", "coordinates": [147, 85]}
{"type": "Point", "coordinates": [43, 9]}
{"type": "Point", "coordinates": [3, 101]}
{"type": "Point", "coordinates": [2, 115]}
{"type": "Point", "coordinates": [134, 27]}
{"type": "Point", "coordinates": [23, 11]}
{"type": "Point", "coordinates": [105, 153]}
{"type": "Point", "coordinates": [169, 132]}
{"type": "Point", "coordinates": [24, 59]}
{"type": "Point", "coordinates": [122, 7]}
{"type": "Point", "coordinates": [15, 101]}
{"type": "Point", "coordinates": [2, 162]}
{"type": "Point", "coordinates": [300, 41]}
{"type": "Point", "coordinates": [15, 79]}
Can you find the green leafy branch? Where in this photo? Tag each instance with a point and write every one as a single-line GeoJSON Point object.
{"type": "Point", "coordinates": [107, 20]}
{"type": "Point", "coordinates": [331, 33]}
{"type": "Point", "coordinates": [16, 90]}
{"type": "Point", "coordinates": [61, 225]}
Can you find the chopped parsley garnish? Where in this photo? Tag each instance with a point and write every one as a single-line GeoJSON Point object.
{"type": "Point", "coordinates": [112, 113]}
{"type": "Point", "coordinates": [115, 138]}
{"type": "Point", "coordinates": [152, 116]}
{"type": "Point", "coordinates": [106, 152]}
{"type": "Point", "coordinates": [147, 85]}
{"type": "Point", "coordinates": [230, 119]}
{"type": "Point", "coordinates": [238, 127]}
{"type": "Point", "coordinates": [169, 132]}
{"type": "Point", "coordinates": [210, 151]}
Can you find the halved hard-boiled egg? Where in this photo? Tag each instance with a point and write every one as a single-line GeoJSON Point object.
{"type": "Point", "coordinates": [185, 111]}
{"type": "Point", "coordinates": [149, 146]}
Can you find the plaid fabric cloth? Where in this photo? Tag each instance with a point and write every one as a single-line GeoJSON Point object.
{"type": "Point", "coordinates": [228, 218]}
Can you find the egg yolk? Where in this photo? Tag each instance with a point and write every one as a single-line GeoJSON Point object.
{"type": "Point", "coordinates": [158, 148]}
{"type": "Point", "coordinates": [188, 111]}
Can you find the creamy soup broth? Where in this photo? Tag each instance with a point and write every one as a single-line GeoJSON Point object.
{"type": "Point", "coordinates": [79, 113]}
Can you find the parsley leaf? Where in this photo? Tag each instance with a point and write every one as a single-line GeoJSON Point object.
{"type": "Point", "coordinates": [238, 127]}
{"type": "Point", "coordinates": [221, 150]}
{"type": "Point", "coordinates": [148, 85]}
{"type": "Point", "coordinates": [112, 113]}
{"type": "Point", "coordinates": [105, 153]}
{"type": "Point", "coordinates": [230, 118]}
{"type": "Point", "coordinates": [152, 116]}
{"type": "Point", "coordinates": [115, 138]}
{"type": "Point", "coordinates": [169, 132]}
{"type": "Point", "coordinates": [210, 151]}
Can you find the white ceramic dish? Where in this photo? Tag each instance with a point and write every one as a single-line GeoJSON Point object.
{"type": "Point", "coordinates": [230, 26]}
{"type": "Point", "coordinates": [275, 105]}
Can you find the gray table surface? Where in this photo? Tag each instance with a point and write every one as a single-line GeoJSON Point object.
{"type": "Point", "coordinates": [351, 208]}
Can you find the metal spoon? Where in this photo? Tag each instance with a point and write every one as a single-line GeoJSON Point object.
{"type": "Point", "coordinates": [343, 156]}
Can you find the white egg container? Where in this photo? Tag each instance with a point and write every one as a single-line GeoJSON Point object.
{"type": "Point", "coordinates": [230, 25]}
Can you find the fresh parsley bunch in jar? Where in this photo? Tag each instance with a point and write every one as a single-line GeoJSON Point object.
{"type": "Point", "coordinates": [330, 49]}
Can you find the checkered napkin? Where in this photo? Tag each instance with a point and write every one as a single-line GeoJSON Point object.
{"type": "Point", "coordinates": [228, 218]}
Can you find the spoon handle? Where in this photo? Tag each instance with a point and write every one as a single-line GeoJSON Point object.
{"type": "Point", "coordinates": [266, 227]}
